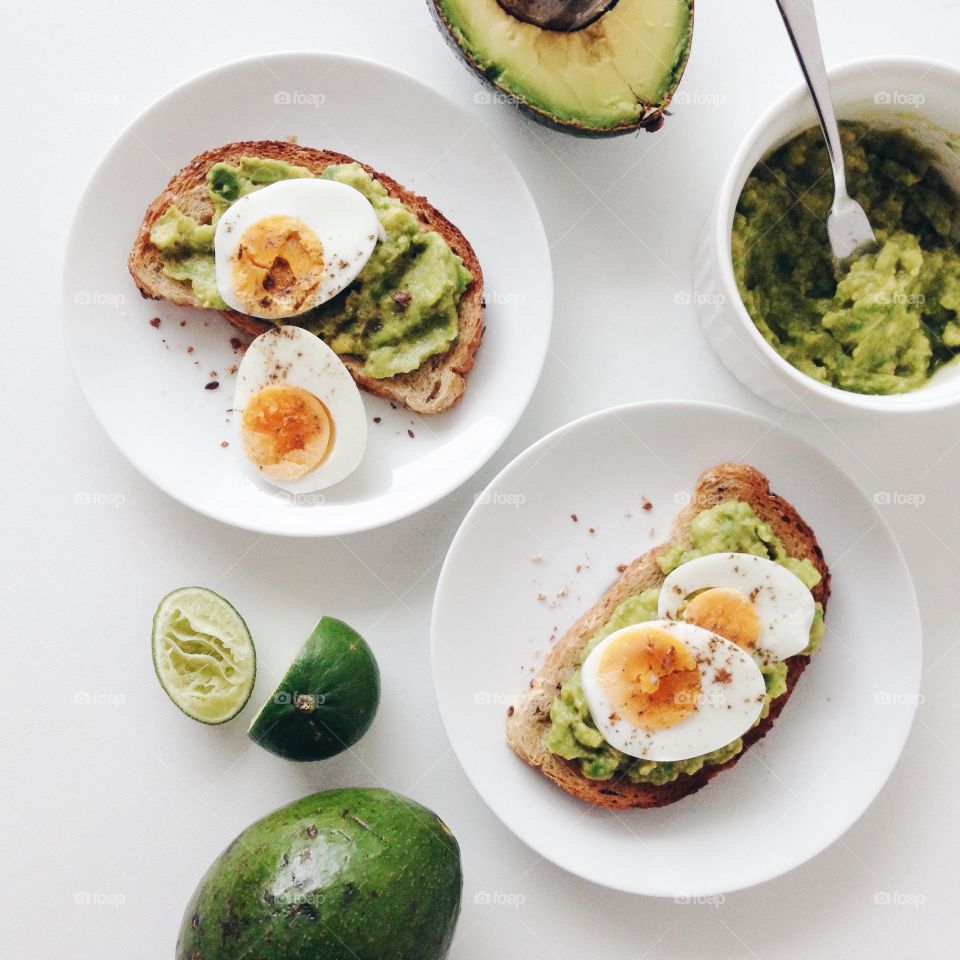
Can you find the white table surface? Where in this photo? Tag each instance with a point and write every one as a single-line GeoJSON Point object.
{"type": "Point", "coordinates": [109, 795]}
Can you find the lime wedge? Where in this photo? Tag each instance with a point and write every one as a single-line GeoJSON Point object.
{"type": "Point", "coordinates": [203, 654]}
{"type": "Point", "coordinates": [327, 699]}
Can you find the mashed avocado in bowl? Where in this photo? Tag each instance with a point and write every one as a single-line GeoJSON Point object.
{"type": "Point", "coordinates": [887, 321]}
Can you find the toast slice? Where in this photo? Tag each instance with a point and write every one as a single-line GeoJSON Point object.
{"type": "Point", "coordinates": [528, 720]}
{"type": "Point", "coordinates": [433, 387]}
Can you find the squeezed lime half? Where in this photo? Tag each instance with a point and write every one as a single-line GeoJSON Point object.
{"type": "Point", "coordinates": [203, 654]}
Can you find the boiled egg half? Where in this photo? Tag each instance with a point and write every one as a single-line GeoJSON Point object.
{"type": "Point", "coordinates": [758, 604]}
{"type": "Point", "coordinates": [301, 418]}
{"type": "Point", "coordinates": [290, 246]}
{"type": "Point", "coordinates": [668, 690]}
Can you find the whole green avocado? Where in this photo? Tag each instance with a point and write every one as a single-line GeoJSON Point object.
{"type": "Point", "coordinates": [361, 873]}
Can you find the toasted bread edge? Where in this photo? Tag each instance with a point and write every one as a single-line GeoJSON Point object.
{"type": "Point", "coordinates": [436, 385]}
{"type": "Point", "coordinates": [529, 718]}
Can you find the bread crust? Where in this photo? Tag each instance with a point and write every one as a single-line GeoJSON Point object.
{"type": "Point", "coordinates": [433, 387]}
{"type": "Point", "coordinates": [528, 720]}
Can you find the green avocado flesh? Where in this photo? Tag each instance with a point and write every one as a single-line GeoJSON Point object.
{"type": "Point", "coordinates": [354, 874]}
{"type": "Point", "coordinates": [399, 311]}
{"type": "Point", "coordinates": [730, 527]}
{"type": "Point", "coordinates": [606, 76]}
{"type": "Point", "coordinates": [327, 699]}
{"type": "Point", "coordinates": [888, 320]}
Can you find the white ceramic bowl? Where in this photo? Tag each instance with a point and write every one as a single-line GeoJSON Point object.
{"type": "Point", "coordinates": [921, 96]}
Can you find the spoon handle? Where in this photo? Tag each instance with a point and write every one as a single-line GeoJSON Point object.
{"type": "Point", "coordinates": [801, 22]}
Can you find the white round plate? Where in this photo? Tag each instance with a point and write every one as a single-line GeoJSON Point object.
{"type": "Point", "coordinates": [148, 391]}
{"type": "Point", "coordinates": [794, 792]}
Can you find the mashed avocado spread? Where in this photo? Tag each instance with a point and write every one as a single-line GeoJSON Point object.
{"type": "Point", "coordinates": [399, 311]}
{"type": "Point", "coordinates": [882, 324]}
{"type": "Point", "coordinates": [730, 527]}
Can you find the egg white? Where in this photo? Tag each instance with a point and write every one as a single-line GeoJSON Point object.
{"type": "Point", "coordinates": [292, 355]}
{"type": "Point", "coordinates": [724, 711]}
{"type": "Point", "coordinates": [782, 601]}
{"type": "Point", "coordinates": [341, 217]}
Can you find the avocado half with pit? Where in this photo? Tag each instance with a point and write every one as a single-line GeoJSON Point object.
{"type": "Point", "coordinates": [599, 67]}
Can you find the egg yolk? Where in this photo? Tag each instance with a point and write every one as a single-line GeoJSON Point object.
{"type": "Point", "coordinates": [277, 264]}
{"type": "Point", "coordinates": [651, 678]}
{"type": "Point", "coordinates": [728, 613]}
{"type": "Point", "coordinates": [287, 431]}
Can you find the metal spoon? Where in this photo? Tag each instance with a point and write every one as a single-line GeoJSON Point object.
{"type": "Point", "coordinates": [563, 15]}
{"type": "Point", "coordinates": [848, 227]}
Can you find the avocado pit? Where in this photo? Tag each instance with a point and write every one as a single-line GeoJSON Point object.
{"type": "Point", "coordinates": [562, 15]}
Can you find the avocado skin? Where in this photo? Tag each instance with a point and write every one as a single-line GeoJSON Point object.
{"type": "Point", "coordinates": [350, 874]}
{"type": "Point", "coordinates": [651, 123]}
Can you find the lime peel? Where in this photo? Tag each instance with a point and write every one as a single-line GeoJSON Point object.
{"type": "Point", "coordinates": [327, 699]}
